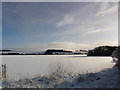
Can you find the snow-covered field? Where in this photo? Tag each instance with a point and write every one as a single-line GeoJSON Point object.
{"type": "Point", "coordinates": [30, 65]}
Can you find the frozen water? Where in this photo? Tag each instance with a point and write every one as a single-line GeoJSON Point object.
{"type": "Point", "coordinates": [32, 65]}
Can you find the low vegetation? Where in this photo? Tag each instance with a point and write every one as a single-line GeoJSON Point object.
{"type": "Point", "coordinates": [104, 79]}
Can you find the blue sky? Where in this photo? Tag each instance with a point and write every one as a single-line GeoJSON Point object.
{"type": "Point", "coordinates": [59, 25]}
{"type": "Point", "coordinates": [0, 25]}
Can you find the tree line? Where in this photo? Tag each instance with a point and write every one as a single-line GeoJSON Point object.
{"type": "Point", "coordinates": [102, 51]}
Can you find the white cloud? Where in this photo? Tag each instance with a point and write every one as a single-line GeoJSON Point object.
{"type": "Point", "coordinates": [54, 45]}
{"type": "Point", "coordinates": [93, 30]}
{"type": "Point", "coordinates": [67, 19]}
{"type": "Point", "coordinates": [105, 9]}
{"type": "Point", "coordinates": [63, 45]}
{"type": "Point", "coordinates": [104, 5]}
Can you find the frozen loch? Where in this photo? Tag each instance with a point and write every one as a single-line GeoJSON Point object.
{"type": "Point", "coordinates": [19, 66]}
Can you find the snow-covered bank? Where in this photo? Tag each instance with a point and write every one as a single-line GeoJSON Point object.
{"type": "Point", "coordinates": [108, 78]}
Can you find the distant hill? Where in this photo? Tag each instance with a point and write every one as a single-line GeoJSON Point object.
{"type": "Point", "coordinates": [5, 50]}
{"type": "Point", "coordinates": [58, 52]}
{"type": "Point", "coordinates": [12, 52]}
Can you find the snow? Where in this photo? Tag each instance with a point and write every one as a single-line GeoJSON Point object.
{"type": "Point", "coordinates": [107, 78]}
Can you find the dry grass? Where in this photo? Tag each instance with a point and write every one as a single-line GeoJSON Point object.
{"type": "Point", "coordinates": [4, 75]}
{"type": "Point", "coordinates": [58, 68]}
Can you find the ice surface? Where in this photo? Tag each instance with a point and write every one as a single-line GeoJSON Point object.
{"type": "Point", "coordinates": [32, 65]}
